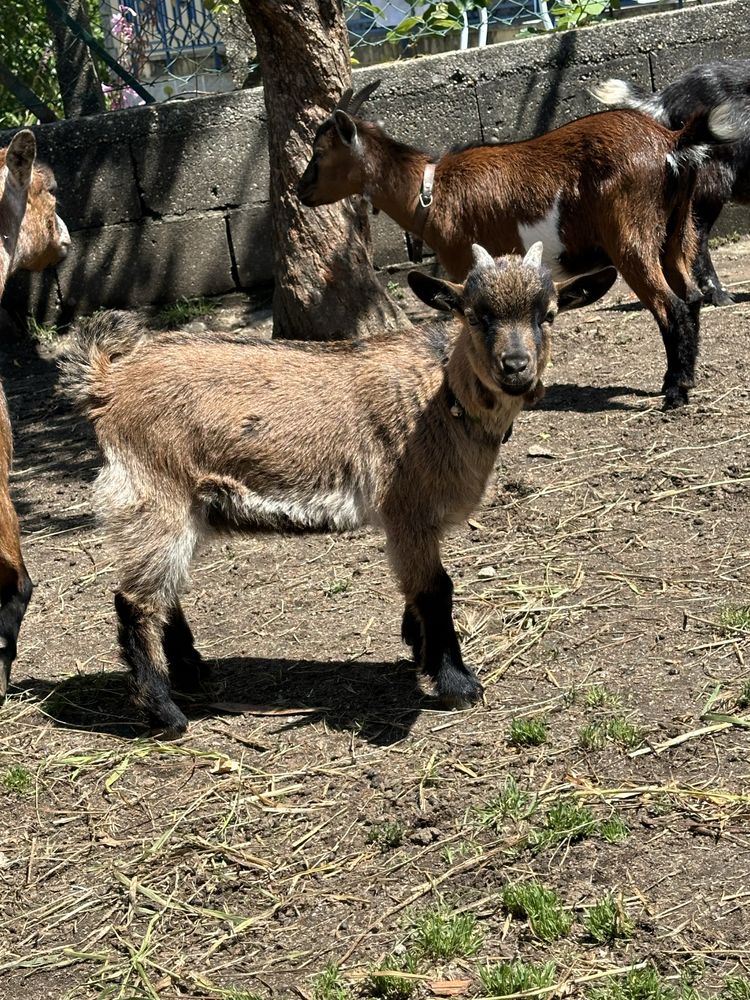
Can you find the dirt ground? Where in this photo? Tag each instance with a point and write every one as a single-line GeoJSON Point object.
{"type": "Point", "coordinates": [323, 804]}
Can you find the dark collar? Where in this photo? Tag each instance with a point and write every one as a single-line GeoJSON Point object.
{"type": "Point", "coordinates": [458, 411]}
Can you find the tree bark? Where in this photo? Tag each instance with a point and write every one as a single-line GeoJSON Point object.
{"type": "Point", "coordinates": [80, 87]}
{"type": "Point", "coordinates": [326, 287]}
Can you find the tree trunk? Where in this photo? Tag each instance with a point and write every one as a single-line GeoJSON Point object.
{"type": "Point", "coordinates": [326, 288]}
{"type": "Point", "coordinates": [80, 87]}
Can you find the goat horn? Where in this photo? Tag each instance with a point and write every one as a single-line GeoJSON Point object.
{"type": "Point", "coordinates": [534, 254]}
{"type": "Point", "coordinates": [343, 102]}
{"type": "Point", "coordinates": [481, 257]}
{"type": "Point", "coordinates": [362, 96]}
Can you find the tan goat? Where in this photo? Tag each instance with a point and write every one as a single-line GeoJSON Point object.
{"type": "Point", "coordinates": [207, 432]}
{"type": "Point", "coordinates": [33, 237]}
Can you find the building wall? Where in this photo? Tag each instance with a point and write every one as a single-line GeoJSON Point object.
{"type": "Point", "coordinates": [172, 200]}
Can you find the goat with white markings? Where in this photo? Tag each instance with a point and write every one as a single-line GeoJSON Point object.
{"type": "Point", "coordinates": [726, 175]}
{"type": "Point", "coordinates": [33, 237]}
{"type": "Point", "coordinates": [614, 188]}
{"type": "Point", "coordinates": [206, 432]}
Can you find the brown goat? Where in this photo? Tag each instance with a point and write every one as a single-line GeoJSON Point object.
{"type": "Point", "coordinates": [206, 432]}
{"type": "Point", "coordinates": [614, 188]}
{"type": "Point", "coordinates": [33, 237]}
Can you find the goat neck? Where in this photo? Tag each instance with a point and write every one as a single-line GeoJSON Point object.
{"type": "Point", "coordinates": [393, 175]}
{"type": "Point", "coordinates": [492, 411]}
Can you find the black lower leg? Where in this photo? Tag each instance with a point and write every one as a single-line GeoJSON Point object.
{"type": "Point", "coordinates": [14, 604]}
{"type": "Point", "coordinates": [411, 632]}
{"type": "Point", "coordinates": [680, 335]}
{"type": "Point", "coordinates": [141, 635]}
{"type": "Point", "coordinates": [706, 214]}
{"type": "Point", "coordinates": [441, 655]}
{"type": "Point", "coordinates": [187, 670]}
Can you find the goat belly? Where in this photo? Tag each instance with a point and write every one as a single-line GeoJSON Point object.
{"type": "Point", "coordinates": [230, 505]}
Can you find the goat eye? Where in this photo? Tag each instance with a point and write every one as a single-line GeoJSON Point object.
{"type": "Point", "coordinates": [472, 318]}
{"type": "Point", "coordinates": [550, 317]}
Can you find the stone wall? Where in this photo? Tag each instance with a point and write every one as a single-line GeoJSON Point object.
{"type": "Point", "coordinates": [171, 200]}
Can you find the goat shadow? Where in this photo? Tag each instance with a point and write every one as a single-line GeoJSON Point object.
{"type": "Point", "coordinates": [636, 306]}
{"type": "Point", "coordinates": [579, 398]}
{"type": "Point", "coordinates": [378, 701]}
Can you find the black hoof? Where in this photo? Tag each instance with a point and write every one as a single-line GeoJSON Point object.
{"type": "Point", "coordinates": [168, 723]}
{"type": "Point", "coordinates": [675, 396]}
{"type": "Point", "coordinates": [458, 690]}
{"type": "Point", "coordinates": [717, 297]}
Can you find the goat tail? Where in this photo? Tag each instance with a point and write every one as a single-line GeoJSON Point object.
{"type": "Point", "coordinates": [705, 130]}
{"type": "Point", "coordinates": [626, 94]}
{"type": "Point", "coordinates": [92, 349]}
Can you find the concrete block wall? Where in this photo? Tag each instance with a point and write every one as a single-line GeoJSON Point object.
{"type": "Point", "coordinates": [172, 200]}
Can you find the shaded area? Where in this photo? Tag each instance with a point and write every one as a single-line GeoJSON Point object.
{"type": "Point", "coordinates": [379, 701]}
{"type": "Point", "coordinates": [592, 398]}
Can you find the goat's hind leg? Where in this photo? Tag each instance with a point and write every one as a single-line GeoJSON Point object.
{"type": "Point", "coordinates": [188, 670]}
{"type": "Point", "coordinates": [154, 562]}
{"type": "Point", "coordinates": [706, 213]}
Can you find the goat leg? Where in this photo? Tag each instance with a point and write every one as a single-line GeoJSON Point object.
{"type": "Point", "coordinates": [141, 632]}
{"type": "Point", "coordinates": [411, 632]}
{"type": "Point", "coordinates": [13, 608]}
{"type": "Point", "coordinates": [441, 654]}
{"type": "Point", "coordinates": [706, 213]}
{"type": "Point", "coordinates": [188, 671]}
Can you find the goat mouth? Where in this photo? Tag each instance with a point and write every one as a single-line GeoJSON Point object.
{"type": "Point", "coordinates": [516, 387]}
{"type": "Point", "coordinates": [306, 197]}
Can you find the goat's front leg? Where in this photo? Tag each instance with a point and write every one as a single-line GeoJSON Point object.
{"type": "Point", "coordinates": [427, 625]}
{"type": "Point", "coordinates": [15, 586]}
{"type": "Point", "coordinates": [141, 633]}
{"type": "Point", "coordinates": [187, 669]}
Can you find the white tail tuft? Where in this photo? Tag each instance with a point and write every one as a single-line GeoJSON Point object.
{"type": "Point", "coordinates": [612, 91]}
{"type": "Point", "coordinates": [726, 122]}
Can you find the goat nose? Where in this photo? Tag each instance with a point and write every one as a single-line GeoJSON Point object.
{"type": "Point", "coordinates": [514, 363]}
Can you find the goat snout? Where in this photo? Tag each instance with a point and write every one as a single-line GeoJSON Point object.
{"type": "Point", "coordinates": [514, 362]}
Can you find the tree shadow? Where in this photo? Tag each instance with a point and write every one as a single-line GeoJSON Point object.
{"type": "Point", "coordinates": [592, 398]}
{"type": "Point", "coordinates": [378, 701]}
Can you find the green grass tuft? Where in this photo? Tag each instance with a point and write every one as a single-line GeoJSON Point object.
{"type": "Point", "coordinates": [329, 985]}
{"type": "Point", "coordinates": [619, 731]}
{"type": "Point", "coordinates": [392, 987]}
{"type": "Point", "coordinates": [607, 922]}
{"type": "Point", "coordinates": [440, 934]}
{"type": "Point", "coordinates": [614, 829]}
{"type": "Point", "coordinates": [742, 700]}
{"type": "Point", "coordinates": [387, 836]}
{"type": "Point", "coordinates": [183, 311]}
{"type": "Point", "coordinates": [638, 984]}
{"type": "Point", "coordinates": [736, 988]}
{"type": "Point", "coordinates": [512, 803]}
{"type": "Point", "coordinates": [542, 907]}
{"type": "Point", "coordinates": [735, 617]}
{"type": "Point", "coordinates": [45, 333]}
{"type": "Point", "coordinates": [509, 978]}
{"type": "Point", "coordinates": [528, 732]}
{"type": "Point", "coordinates": [563, 821]}
{"type": "Point", "coordinates": [18, 779]}
{"type": "Point", "coordinates": [599, 697]}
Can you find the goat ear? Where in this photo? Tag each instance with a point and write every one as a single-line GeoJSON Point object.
{"type": "Point", "coordinates": [345, 127]}
{"type": "Point", "coordinates": [584, 290]}
{"type": "Point", "coordinates": [19, 159]}
{"type": "Point", "coordinates": [435, 292]}
{"type": "Point", "coordinates": [534, 255]}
